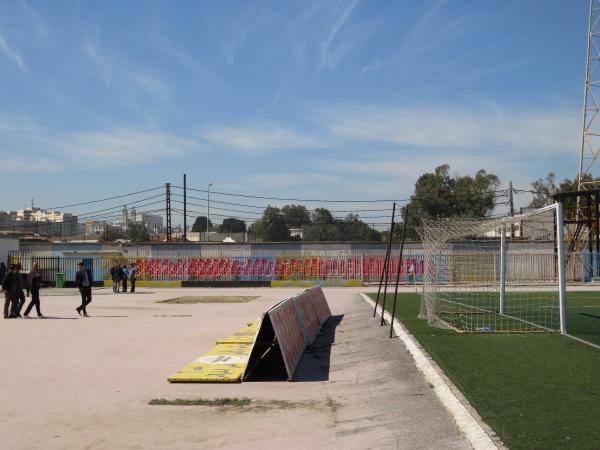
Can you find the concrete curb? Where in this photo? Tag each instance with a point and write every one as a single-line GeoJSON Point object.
{"type": "Point", "coordinates": [467, 423]}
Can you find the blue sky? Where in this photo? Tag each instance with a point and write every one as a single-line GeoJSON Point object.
{"type": "Point", "coordinates": [334, 99]}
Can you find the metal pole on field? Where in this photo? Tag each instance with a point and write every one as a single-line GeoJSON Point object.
{"type": "Point", "coordinates": [400, 262]}
{"type": "Point", "coordinates": [502, 265]}
{"type": "Point", "coordinates": [387, 259]}
{"type": "Point", "coordinates": [184, 208]}
{"type": "Point", "coordinates": [387, 274]}
{"type": "Point", "coordinates": [168, 210]}
{"type": "Point", "coordinates": [562, 291]}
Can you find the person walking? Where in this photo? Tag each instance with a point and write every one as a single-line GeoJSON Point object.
{"type": "Point", "coordinates": [115, 274]}
{"type": "Point", "coordinates": [132, 277]}
{"type": "Point", "coordinates": [3, 271]}
{"type": "Point", "coordinates": [83, 280]}
{"type": "Point", "coordinates": [10, 305]}
{"type": "Point", "coordinates": [124, 276]}
{"type": "Point", "coordinates": [34, 279]}
{"type": "Point", "coordinates": [17, 288]}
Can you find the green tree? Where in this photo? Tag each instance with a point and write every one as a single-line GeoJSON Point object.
{"type": "Point", "coordinates": [271, 227]}
{"type": "Point", "coordinates": [296, 216]}
{"type": "Point", "coordinates": [353, 229]}
{"type": "Point", "coordinates": [326, 228]}
{"type": "Point", "coordinates": [232, 226]}
{"type": "Point", "coordinates": [440, 195]}
{"type": "Point", "coordinates": [323, 227]}
{"type": "Point", "coordinates": [200, 225]}
{"type": "Point", "coordinates": [111, 234]}
{"type": "Point", "coordinates": [543, 189]}
{"type": "Point", "coordinates": [138, 232]}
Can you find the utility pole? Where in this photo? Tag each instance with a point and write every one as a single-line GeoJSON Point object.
{"type": "Point", "coordinates": [184, 208]}
{"type": "Point", "coordinates": [208, 213]}
{"type": "Point", "coordinates": [168, 210]}
{"type": "Point", "coordinates": [512, 208]}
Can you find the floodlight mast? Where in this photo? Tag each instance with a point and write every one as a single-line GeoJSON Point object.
{"type": "Point", "coordinates": [590, 127]}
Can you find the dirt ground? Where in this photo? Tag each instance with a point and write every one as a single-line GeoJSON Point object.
{"type": "Point", "coordinates": [70, 382]}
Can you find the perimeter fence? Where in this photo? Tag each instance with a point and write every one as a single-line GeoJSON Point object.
{"type": "Point", "coordinates": [335, 265]}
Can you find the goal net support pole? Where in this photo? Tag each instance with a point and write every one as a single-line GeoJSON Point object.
{"type": "Point", "coordinates": [562, 288]}
{"type": "Point", "coordinates": [502, 266]}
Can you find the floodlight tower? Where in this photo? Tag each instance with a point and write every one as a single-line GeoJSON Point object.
{"type": "Point", "coordinates": [590, 129]}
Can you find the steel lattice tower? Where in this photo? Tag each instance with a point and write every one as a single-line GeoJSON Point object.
{"type": "Point", "coordinates": [590, 133]}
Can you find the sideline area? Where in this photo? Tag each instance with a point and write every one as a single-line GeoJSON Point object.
{"type": "Point", "coordinates": [73, 382]}
{"type": "Point", "coordinates": [536, 390]}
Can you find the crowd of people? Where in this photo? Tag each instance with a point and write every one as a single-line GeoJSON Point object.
{"type": "Point", "coordinates": [14, 287]}
{"type": "Point", "coordinates": [120, 276]}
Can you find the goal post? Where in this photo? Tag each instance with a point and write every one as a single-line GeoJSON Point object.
{"type": "Point", "coordinates": [496, 274]}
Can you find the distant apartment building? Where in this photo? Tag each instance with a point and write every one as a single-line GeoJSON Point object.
{"type": "Point", "coordinates": [37, 220]}
{"type": "Point", "coordinates": [153, 222]}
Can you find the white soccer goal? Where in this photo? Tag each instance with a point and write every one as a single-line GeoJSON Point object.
{"type": "Point", "coordinates": [496, 275]}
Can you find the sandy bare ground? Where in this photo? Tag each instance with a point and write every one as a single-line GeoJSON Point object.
{"type": "Point", "coordinates": [74, 383]}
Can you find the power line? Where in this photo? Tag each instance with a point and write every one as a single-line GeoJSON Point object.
{"type": "Point", "coordinates": [103, 199]}
{"type": "Point", "coordinates": [292, 199]}
{"type": "Point", "coordinates": [495, 193]}
{"type": "Point", "coordinates": [121, 206]}
{"type": "Point", "coordinates": [263, 207]}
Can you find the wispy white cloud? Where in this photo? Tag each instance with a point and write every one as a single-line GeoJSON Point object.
{"type": "Point", "coordinates": [113, 72]}
{"type": "Point", "coordinates": [37, 23]}
{"type": "Point", "coordinates": [481, 127]}
{"type": "Point", "coordinates": [393, 175]}
{"type": "Point", "coordinates": [24, 146]}
{"type": "Point", "coordinates": [291, 181]}
{"type": "Point", "coordinates": [125, 146]}
{"type": "Point", "coordinates": [427, 32]}
{"type": "Point", "coordinates": [330, 55]}
{"type": "Point", "coordinates": [259, 137]}
{"type": "Point", "coordinates": [241, 27]}
{"type": "Point", "coordinates": [11, 53]}
{"type": "Point", "coordinates": [187, 59]}
{"type": "Point", "coordinates": [24, 164]}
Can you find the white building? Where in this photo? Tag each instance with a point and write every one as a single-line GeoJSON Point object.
{"type": "Point", "coordinates": [41, 221]}
{"type": "Point", "coordinates": [153, 222]}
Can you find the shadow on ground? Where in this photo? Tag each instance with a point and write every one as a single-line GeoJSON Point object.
{"type": "Point", "coordinates": [316, 360]}
{"type": "Point", "coordinates": [314, 364]}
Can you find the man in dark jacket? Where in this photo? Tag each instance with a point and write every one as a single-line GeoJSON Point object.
{"type": "Point", "coordinates": [18, 294]}
{"type": "Point", "coordinates": [3, 271]}
{"type": "Point", "coordinates": [10, 305]}
{"type": "Point", "coordinates": [115, 274]}
{"type": "Point", "coordinates": [124, 275]}
{"type": "Point", "coordinates": [132, 277]}
{"type": "Point", "coordinates": [34, 278]}
{"type": "Point", "coordinates": [83, 280]}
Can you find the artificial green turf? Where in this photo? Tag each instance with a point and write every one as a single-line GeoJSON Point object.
{"type": "Point", "coordinates": [583, 317]}
{"type": "Point", "coordinates": [537, 391]}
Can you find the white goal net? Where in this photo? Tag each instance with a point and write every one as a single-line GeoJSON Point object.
{"type": "Point", "coordinates": [495, 275]}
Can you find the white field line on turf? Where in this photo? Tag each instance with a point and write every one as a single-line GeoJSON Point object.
{"type": "Point", "coordinates": [467, 424]}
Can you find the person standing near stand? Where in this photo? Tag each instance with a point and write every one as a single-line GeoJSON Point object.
{"type": "Point", "coordinates": [83, 280]}
{"type": "Point", "coordinates": [124, 276]}
{"type": "Point", "coordinates": [34, 279]}
{"type": "Point", "coordinates": [132, 277]}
